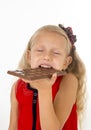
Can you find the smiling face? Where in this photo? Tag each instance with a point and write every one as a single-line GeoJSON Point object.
{"type": "Point", "coordinates": [49, 50]}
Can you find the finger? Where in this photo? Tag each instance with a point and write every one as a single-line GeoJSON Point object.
{"type": "Point", "coordinates": [54, 77]}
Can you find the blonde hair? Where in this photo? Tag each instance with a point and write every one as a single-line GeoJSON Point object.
{"type": "Point", "coordinates": [76, 67]}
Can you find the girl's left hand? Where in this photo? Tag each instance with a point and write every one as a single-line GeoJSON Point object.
{"type": "Point", "coordinates": [41, 84]}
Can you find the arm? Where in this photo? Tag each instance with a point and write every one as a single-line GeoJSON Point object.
{"type": "Point", "coordinates": [14, 110]}
{"type": "Point", "coordinates": [54, 116]}
{"type": "Point", "coordinates": [48, 117]}
{"type": "Point", "coordinates": [65, 98]}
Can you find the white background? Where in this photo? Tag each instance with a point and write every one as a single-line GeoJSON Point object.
{"type": "Point", "coordinates": [19, 19]}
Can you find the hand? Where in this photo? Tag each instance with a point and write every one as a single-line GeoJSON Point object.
{"type": "Point", "coordinates": [42, 84]}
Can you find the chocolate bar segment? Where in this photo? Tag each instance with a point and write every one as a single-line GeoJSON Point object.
{"type": "Point", "coordinates": [37, 73]}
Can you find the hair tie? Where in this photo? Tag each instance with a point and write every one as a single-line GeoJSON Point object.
{"type": "Point", "coordinates": [69, 33]}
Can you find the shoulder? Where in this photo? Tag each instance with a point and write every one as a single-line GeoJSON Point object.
{"type": "Point", "coordinates": [68, 87]}
{"type": "Point", "coordinates": [69, 80]}
{"type": "Point", "coordinates": [16, 85]}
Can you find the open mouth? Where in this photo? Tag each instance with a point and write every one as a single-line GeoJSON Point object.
{"type": "Point", "coordinates": [45, 66]}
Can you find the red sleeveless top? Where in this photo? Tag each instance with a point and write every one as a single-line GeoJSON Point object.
{"type": "Point", "coordinates": [28, 117]}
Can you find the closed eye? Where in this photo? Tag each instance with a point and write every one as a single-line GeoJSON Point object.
{"type": "Point", "coordinates": [57, 53]}
{"type": "Point", "coordinates": [39, 50]}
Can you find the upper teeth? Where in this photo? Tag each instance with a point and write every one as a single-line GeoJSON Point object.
{"type": "Point", "coordinates": [45, 66]}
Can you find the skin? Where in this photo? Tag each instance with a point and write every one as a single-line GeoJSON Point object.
{"type": "Point", "coordinates": [49, 50]}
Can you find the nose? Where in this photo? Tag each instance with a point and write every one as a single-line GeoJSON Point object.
{"type": "Point", "coordinates": [47, 56]}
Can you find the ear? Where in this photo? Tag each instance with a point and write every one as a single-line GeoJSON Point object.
{"type": "Point", "coordinates": [28, 56]}
{"type": "Point", "coordinates": [67, 62]}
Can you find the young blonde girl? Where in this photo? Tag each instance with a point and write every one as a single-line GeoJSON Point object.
{"type": "Point", "coordinates": [55, 103]}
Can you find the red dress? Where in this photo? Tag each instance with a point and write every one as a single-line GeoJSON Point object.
{"type": "Point", "coordinates": [28, 117]}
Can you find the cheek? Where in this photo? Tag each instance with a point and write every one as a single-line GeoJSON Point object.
{"type": "Point", "coordinates": [34, 60]}
{"type": "Point", "coordinates": [60, 63]}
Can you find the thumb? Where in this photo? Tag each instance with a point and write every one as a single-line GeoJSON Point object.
{"type": "Point", "coordinates": [54, 77]}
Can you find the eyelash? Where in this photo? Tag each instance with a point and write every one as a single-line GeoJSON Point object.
{"type": "Point", "coordinates": [40, 50]}
{"type": "Point", "coordinates": [56, 53]}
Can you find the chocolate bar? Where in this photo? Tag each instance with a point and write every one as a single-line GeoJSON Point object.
{"type": "Point", "coordinates": [37, 73]}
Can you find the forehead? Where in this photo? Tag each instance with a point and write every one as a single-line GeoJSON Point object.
{"type": "Point", "coordinates": [50, 37]}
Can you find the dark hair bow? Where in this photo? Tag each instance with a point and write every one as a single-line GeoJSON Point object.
{"type": "Point", "coordinates": [69, 33]}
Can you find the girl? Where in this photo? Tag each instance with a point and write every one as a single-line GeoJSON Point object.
{"type": "Point", "coordinates": [55, 103]}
